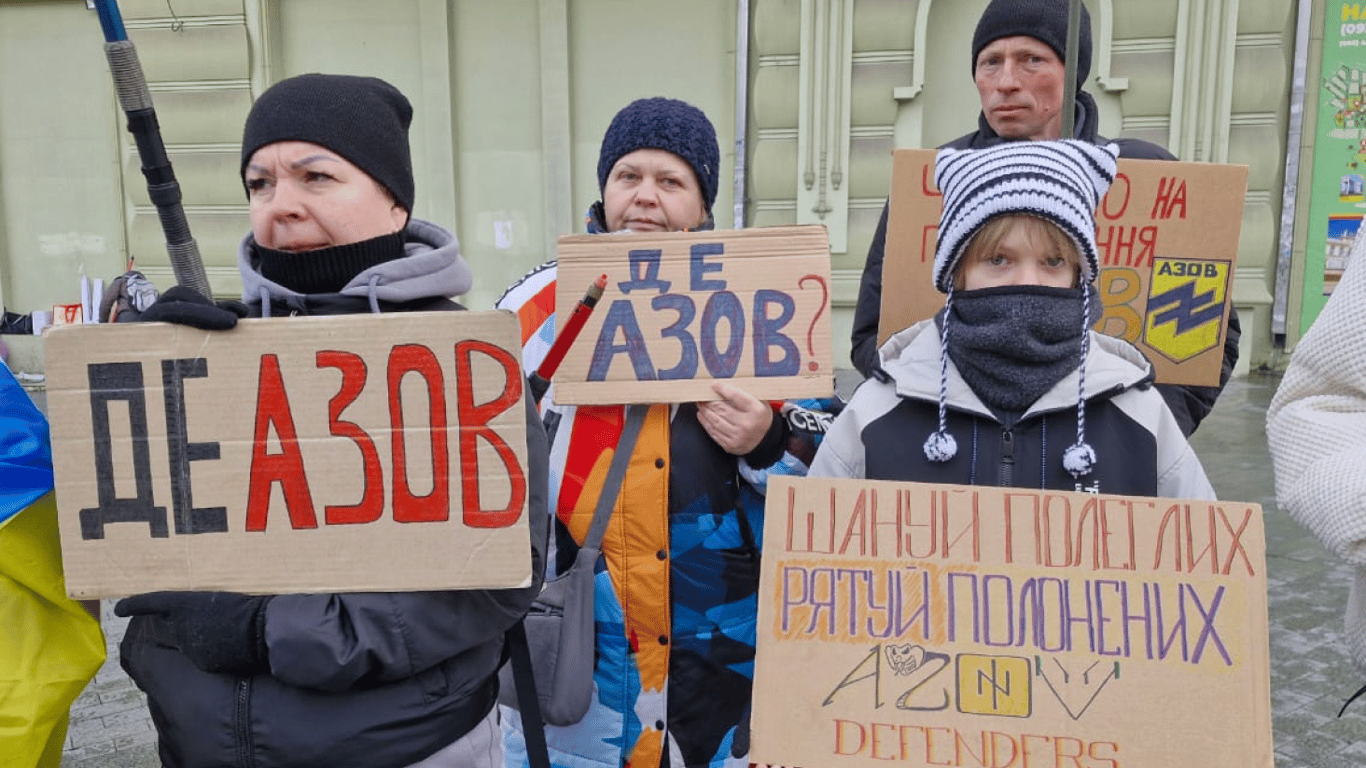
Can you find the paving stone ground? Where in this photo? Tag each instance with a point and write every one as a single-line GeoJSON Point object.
{"type": "Point", "coordinates": [1310, 673]}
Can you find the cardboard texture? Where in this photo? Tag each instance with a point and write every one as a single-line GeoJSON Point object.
{"type": "Point", "coordinates": [917, 624]}
{"type": "Point", "coordinates": [1167, 234]}
{"type": "Point", "coordinates": [263, 459]}
{"type": "Point", "coordinates": [682, 309]}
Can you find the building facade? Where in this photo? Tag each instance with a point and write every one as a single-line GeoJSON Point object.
{"type": "Point", "coordinates": [809, 97]}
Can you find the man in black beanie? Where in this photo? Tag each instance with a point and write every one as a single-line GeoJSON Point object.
{"type": "Point", "coordinates": [366, 680]}
{"type": "Point", "coordinates": [1018, 51]}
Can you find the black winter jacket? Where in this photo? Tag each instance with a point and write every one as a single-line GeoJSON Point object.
{"type": "Point", "coordinates": [365, 680]}
{"type": "Point", "coordinates": [1189, 404]}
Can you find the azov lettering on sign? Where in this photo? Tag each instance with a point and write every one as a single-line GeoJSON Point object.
{"type": "Point", "coordinates": [120, 388]}
{"type": "Point", "coordinates": [714, 339]}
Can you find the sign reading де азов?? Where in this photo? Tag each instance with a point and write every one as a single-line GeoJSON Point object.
{"type": "Point", "coordinates": [683, 309]}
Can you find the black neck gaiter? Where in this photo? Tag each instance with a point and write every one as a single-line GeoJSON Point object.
{"type": "Point", "coordinates": [326, 270]}
{"type": "Point", "coordinates": [1013, 343]}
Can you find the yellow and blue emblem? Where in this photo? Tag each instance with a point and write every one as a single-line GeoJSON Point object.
{"type": "Point", "coordinates": [1186, 309]}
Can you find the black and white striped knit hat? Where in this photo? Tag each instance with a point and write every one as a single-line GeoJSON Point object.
{"type": "Point", "coordinates": [1060, 182]}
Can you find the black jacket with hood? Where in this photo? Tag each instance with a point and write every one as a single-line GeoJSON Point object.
{"type": "Point", "coordinates": [365, 680]}
{"type": "Point", "coordinates": [1189, 404]}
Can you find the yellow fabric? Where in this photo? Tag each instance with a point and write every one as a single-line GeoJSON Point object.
{"type": "Point", "coordinates": [50, 647]}
{"type": "Point", "coordinates": [648, 750]}
{"type": "Point", "coordinates": [638, 530]}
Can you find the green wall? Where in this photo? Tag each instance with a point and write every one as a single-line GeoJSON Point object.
{"type": "Point", "coordinates": [511, 99]}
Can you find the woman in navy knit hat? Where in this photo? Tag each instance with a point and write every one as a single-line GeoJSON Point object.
{"type": "Point", "coordinates": [676, 594]}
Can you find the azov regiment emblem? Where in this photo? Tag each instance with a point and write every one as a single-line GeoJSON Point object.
{"type": "Point", "coordinates": [1185, 306]}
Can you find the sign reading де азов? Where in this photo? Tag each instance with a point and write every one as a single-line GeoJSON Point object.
{"type": "Point", "coordinates": [345, 453]}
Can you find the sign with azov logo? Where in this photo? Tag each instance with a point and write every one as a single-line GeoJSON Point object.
{"type": "Point", "coordinates": [1167, 242]}
{"type": "Point", "coordinates": [1185, 307]}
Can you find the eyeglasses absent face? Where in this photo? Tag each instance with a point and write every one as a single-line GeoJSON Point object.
{"type": "Point", "coordinates": [652, 190]}
{"type": "Point", "coordinates": [1018, 250]}
{"type": "Point", "coordinates": [1020, 83]}
{"type": "Point", "coordinates": [304, 197]}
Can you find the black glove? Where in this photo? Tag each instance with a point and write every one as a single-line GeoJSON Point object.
{"type": "Point", "coordinates": [185, 306]}
{"type": "Point", "coordinates": [223, 632]}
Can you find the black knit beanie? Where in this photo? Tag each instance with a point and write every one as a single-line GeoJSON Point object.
{"type": "Point", "coordinates": [668, 124]}
{"type": "Point", "coordinates": [363, 119]}
{"type": "Point", "coordinates": [1043, 20]}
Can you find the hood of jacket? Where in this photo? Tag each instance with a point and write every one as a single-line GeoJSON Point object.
{"type": "Point", "coordinates": [431, 267]}
{"type": "Point", "coordinates": [911, 358]}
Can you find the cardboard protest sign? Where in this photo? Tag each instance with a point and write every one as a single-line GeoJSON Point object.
{"type": "Point", "coordinates": [311, 454]}
{"type": "Point", "coordinates": [1167, 235]}
{"type": "Point", "coordinates": [980, 627]}
{"type": "Point", "coordinates": [682, 309]}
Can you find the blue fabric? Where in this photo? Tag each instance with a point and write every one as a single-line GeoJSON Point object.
{"type": "Point", "coordinates": [25, 452]}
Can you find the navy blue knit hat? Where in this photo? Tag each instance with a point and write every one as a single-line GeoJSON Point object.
{"type": "Point", "coordinates": [1043, 20]}
{"type": "Point", "coordinates": [363, 119]}
{"type": "Point", "coordinates": [668, 124]}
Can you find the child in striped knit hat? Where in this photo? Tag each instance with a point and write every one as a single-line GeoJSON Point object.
{"type": "Point", "coordinates": [1008, 385]}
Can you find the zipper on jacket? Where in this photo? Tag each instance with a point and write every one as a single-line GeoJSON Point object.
{"type": "Point", "coordinates": [1006, 474]}
{"type": "Point", "coordinates": [243, 723]}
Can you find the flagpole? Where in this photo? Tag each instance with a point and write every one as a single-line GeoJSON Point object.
{"type": "Point", "coordinates": [1069, 94]}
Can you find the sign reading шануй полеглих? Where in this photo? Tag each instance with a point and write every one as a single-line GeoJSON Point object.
{"type": "Point", "coordinates": [980, 627]}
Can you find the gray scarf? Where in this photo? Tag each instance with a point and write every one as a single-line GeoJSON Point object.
{"type": "Point", "coordinates": [1011, 344]}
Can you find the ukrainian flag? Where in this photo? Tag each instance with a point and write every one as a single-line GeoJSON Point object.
{"type": "Point", "coordinates": [50, 646]}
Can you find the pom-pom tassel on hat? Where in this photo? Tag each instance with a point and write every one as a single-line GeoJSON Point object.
{"type": "Point", "coordinates": [940, 445]}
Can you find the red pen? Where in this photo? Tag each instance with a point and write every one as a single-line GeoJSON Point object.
{"type": "Point", "coordinates": [540, 378]}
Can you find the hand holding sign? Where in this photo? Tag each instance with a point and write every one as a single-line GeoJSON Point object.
{"type": "Point", "coordinates": [738, 421]}
{"type": "Point", "coordinates": [223, 632]}
{"type": "Point", "coordinates": [186, 306]}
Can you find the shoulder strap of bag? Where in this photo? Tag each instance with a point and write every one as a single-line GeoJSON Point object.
{"type": "Point", "coordinates": [616, 473]}
{"type": "Point", "coordinates": [533, 729]}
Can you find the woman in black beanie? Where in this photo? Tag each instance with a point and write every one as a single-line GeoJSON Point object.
{"type": "Point", "coordinates": [374, 680]}
{"type": "Point", "coordinates": [676, 595]}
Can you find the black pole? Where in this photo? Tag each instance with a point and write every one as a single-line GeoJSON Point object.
{"type": "Point", "coordinates": [162, 187]}
{"type": "Point", "coordinates": [1069, 93]}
